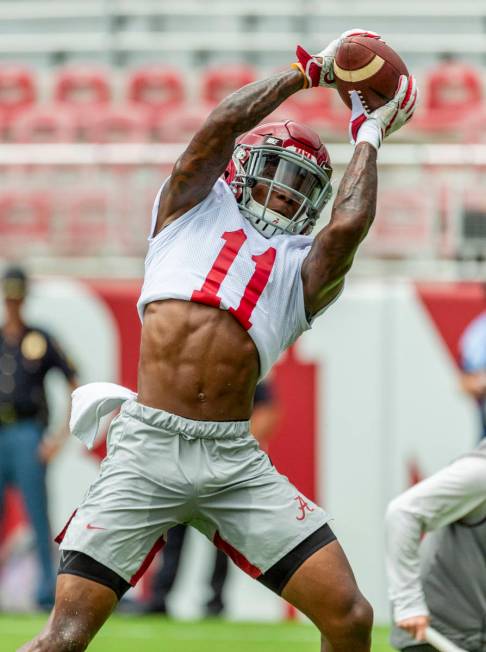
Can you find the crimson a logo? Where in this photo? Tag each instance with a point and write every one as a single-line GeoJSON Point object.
{"type": "Point", "coordinates": [303, 505]}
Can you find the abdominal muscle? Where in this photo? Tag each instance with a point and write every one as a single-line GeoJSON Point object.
{"type": "Point", "coordinates": [196, 361]}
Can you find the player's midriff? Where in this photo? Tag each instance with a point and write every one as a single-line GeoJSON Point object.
{"type": "Point", "coordinates": [196, 361]}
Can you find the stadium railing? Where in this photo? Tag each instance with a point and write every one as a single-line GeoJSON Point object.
{"type": "Point", "coordinates": [64, 201]}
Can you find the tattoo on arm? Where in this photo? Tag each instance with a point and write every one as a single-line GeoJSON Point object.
{"type": "Point", "coordinates": [355, 202]}
{"type": "Point", "coordinates": [333, 250]}
{"type": "Point", "coordinates": [249, 105]}
{"type": "Point", "coordinates": [208, 153]}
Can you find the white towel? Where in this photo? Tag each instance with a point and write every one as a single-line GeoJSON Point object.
{"type": "Point", "coordinates": [92, 402]}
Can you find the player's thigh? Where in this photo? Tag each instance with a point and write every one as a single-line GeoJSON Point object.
{"type": "Point", "coordinates": [258, 517]}
{"type": "Point", "coordinates": [324, 587]}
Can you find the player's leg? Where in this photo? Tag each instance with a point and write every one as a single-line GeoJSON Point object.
{"type": "Point", "coordinates": [81, 608]}
{"type": "Point", "coordinates": [325, 590]}
{"type": "Point", "coordinates": [281, 538]}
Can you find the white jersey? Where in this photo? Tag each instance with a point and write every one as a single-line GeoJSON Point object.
{"type": "Point", "coordinates": [213, 255]}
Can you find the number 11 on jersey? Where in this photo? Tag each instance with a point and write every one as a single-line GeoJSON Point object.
{"type": "Point", "coordinates": [208, 294]}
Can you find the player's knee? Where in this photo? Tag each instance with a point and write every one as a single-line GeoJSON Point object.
{"type": "Point", "coordinates": [360, 619]}
{"type": "Point", "coordinates": [352, 619]}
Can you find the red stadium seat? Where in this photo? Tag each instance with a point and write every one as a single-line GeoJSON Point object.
{"type": "Point", "coordinates": [118, 125]}
{"type": "Point", "coordinates": [453, 85]}
{"type": "Point", "coordinates": [452, 93]}
{"type": "Point", "coordinates": [181, 126]}
{"type": "Point", "coordinates": [157, 90]}
{"type": "Point", "coordinates": [44, 124]}
{"type": "Point", "coordinates": [404, 224]}
{"type": "Point", "coordinates": [17, 91]}
{"type": "Point", "coordinates": [217, 83]}
{"type": "Point", "coordinates": [319, 108]}
{"type": "Point", "coordinates": [24, 217]}
{"type": "Point", "coordinates": [86, 223]}
{"type": "Point", "coordinates": [82, 89]}
{"type": "Point", "coordinates": [473, 129]}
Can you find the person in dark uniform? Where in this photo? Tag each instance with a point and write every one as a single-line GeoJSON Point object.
{"type": "Point", "coordinates": [263, 421]}
{"type": "Point", "coordinates": [27, 354]}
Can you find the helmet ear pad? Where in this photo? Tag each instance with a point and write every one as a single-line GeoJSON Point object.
{"type": "Point", "coordinates": [229, 177]}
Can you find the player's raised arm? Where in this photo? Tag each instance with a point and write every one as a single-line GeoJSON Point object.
{"type": "Point", "coordinates": [209, 151]}
{"type": "Point", "coordinates": [332, 253]}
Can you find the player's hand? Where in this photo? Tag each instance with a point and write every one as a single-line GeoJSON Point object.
{"type": "Point", "coordinates": [375, 126]}
{"type": "Point", "coordinates": [415, 626]}
{"type": "Point", "coordinates": [318, 68]}
{"type": "Point", "coordinates": [48, 448]}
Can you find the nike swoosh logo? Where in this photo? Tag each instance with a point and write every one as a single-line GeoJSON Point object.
{"type": "Point", "coordinates": [94, 527]}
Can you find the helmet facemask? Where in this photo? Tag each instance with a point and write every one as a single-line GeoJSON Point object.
{"type": "Point", "coordinates": [280, 191]}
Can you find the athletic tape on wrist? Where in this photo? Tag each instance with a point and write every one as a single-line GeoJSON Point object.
{"type": "Point", "coordinates": [370, 132]}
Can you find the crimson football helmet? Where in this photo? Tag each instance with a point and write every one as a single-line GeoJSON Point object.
{"type": "Point", "coordinates": [280, 173]}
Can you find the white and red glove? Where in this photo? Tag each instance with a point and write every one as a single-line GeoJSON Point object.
{"type": "Point", "coordinates": [317, 69]}
{"type": "Point", "coordinates": [375, 126]}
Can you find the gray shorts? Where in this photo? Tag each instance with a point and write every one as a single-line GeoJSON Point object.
{"type": "Point", "coordinates": [162, 469]}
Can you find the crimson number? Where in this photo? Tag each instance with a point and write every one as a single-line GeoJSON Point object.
{"type": "Point", "coordinates": [208, 294]}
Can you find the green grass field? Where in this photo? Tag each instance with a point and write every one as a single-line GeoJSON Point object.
{"type": "Point", "coordinates": [154, 634]}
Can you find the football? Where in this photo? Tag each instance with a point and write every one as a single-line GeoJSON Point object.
{"type": "Point", "coordinates": [370, 67]}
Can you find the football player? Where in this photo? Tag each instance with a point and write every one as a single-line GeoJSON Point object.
{"type": "Point", "coordinates": [232, 278]}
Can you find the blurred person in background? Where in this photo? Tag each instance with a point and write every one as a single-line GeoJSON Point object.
{"type": "Point", "coordinates": [27, 354]}
{"type": "Point", "coordinates": [232, 279]}
{"type": "Point", "coordinates": [440, 578]}
{"type": "Point", "coordinates": [263, 422]}
{"type": "Point", "coordinates": [472, 349]}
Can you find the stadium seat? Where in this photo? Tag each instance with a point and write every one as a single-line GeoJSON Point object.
{"type": "Point", "coordinates": [473, 129]}
{"type": "Point", "coordinates": [25, 217]}
{"type": "Point", "coordinates": [86, 223]}
{"type": "Point", "coordinates": [17, 91]}
{"type": "Point", "coordinates": [217, 83]}
{"type": "Point", "coordinates": [320, 109]}
{"type": "Point", "coordinates": [44, 124]}
{"type": "Point", "coordinates": [82, 89]}
{"type": "Point", "coordinates": [157, 90]}
{"type": "Point", "coordinates": [118, 125]}
{"type": "Point", "coordinates": [403, 225]}
{"type": "Point", "coordinates": [181, 126]}
{"type": "Point", "coordinates": [452, 93]}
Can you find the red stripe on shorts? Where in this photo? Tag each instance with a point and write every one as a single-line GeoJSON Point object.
{"type": "Point", "coordinates": [62, 533]}
{"type": "Point", "coordinates": [158, 545]}
{"type": "Point", "coordinates": [240, 560]}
